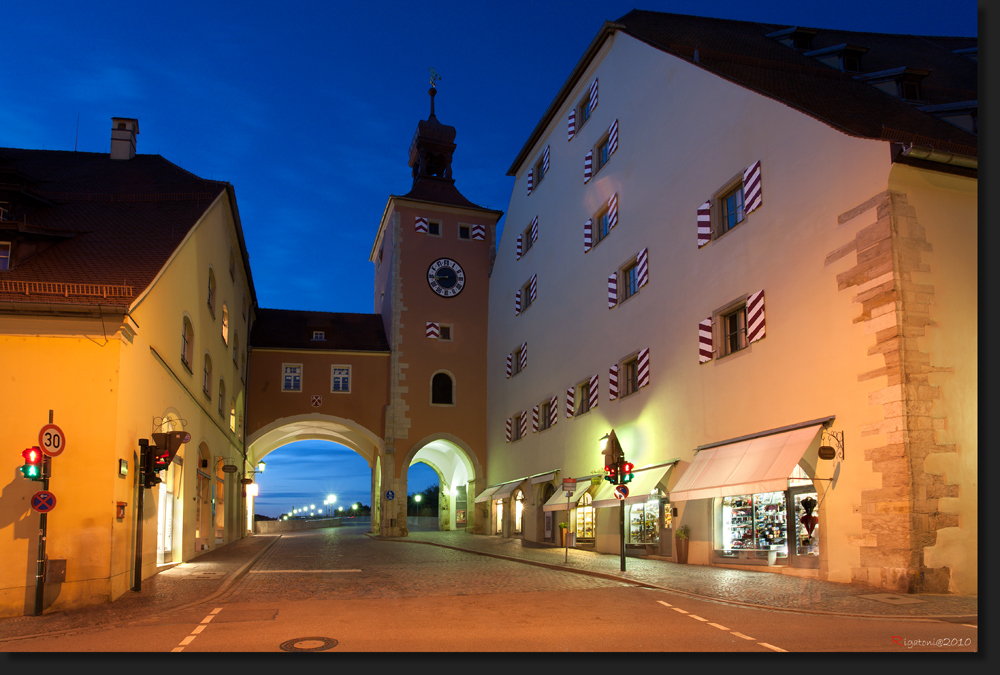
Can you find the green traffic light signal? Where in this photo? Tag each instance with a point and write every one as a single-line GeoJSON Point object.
{"type": "Point", "coordinates": [32, 469]}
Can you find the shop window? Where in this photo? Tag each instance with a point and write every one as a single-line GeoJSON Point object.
{"type": "Point", "coordinates": [499, 522]}
{"type": "Point", "coordinates": [644, 522]}
{"type": "Point", "coordinates": [518, 511]}
{"type": "Point", "coordinates": [585, 518]}
{"type": "Point", "coordinates": [754, 526]}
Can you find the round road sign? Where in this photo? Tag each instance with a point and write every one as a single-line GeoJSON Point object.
{"type": "Point", "coordinates": [389, 495]}
{"type": "Point", "coordinates": [52, 440]}
{"type": "Point", "coordinates": [621, 491]}
{"type": "Point", "coordinates": [43, 501]}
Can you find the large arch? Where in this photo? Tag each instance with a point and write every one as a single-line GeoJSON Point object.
{"type": "Point", "coordinates": [457, 467]}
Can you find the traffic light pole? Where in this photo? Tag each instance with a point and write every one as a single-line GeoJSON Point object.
{"type": "Point", "coordinates": [43, 526]}
{"type": "Point", "coordinates": [621, 530]}
{"type": "Point", "coordinates": [144, 458]}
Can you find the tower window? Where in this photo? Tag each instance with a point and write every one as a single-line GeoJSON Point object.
{"type": "Point", "coordinates": [442, 389]}
{"type": "Point", "coordinates": [464, 232]}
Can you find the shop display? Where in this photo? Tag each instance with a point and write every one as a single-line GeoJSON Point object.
{"type": "Point", "coordinates": [643, 523]}
{"type": "Point", "coordinates": [806, 523]}
{"type": "Point", "coordinates": [754, 523]}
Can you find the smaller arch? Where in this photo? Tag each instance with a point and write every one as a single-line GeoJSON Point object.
{"type": "Point", "coordinates": [225, 323]}
{"type": "Point", "coordinates": [206, 383]}
{"type": "Point", "coordinates": [443, 389]}
{"type": "Point", "coordinates": [211, 291]}
{"type": "Point", "coordinates": [187, 342]}
{"type": "Point", "coordinates": [222, 397]}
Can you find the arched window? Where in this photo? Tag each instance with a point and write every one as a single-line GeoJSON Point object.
{"type": "Point", "coordinates": [187, 343]}
{"type": "Point", "coordinates": [442, 389]}
{"type": "Point", "coordinates": [236, 345]}
{"type": "Point", "coordinates": [225, 323]}
{"type": "Point", "coordinates": [206, 383]}
{"type": "Point", "coordinates": [585, 518]}
{"type": "Point", "coordinates": [232, 414]}
{"type": "Point", "coordinates": [211, 291]}
{"type": "Point", "coordinates": [518, 511]}
{"type": "Point", "coordinates": [222, 398]}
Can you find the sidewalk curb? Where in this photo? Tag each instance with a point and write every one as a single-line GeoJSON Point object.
{"type": "Point", "coordinates": [646, 584]}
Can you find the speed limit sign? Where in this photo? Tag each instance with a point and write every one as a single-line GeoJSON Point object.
{"type": "Point", "coordinates": [52, 440]}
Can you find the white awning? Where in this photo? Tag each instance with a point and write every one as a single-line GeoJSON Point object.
{"type": "Point", "coordinates": [504, 490]}
{"type": "Point", "coordinates": [557, 502]}
{"type": "Point", "coordinates": [484, 496]}
{"type": "Point", "coordinates": [544, 478]}
{"type": "Point", "coordinates": [757, 465]}
{"type": "Point", "coordinates": [643, 482]}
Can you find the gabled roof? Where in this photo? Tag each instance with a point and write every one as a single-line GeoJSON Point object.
{"type": "Point", "coordinates": [742, 52]}
{"type": "Point", "coordinates": [293, 329]}
{"type": "Point", "coordinates": [96, 221]}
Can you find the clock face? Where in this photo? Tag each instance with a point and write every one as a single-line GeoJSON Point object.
{"type": "Point", "coordinates": [446, 277]}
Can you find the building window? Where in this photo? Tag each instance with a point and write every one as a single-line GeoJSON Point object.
{"type": "Point", "coordinates": [526, 298]}
{"type": "Point", "coordinates": [583, 111]}
{"type": "Point", "coordinates": [225, 323]}
{"type": "Point", "coordinates": [602, 153]}
{"type": "Point", "coordinates": [515, 430]}
{"type": "Point", "coordinates": [211, 291]}
{"type": "Point", "coordinates": [187, 343]}
{"type": "Point", "coordinates": [630, 280]}
{"type": "Point", "coordinates": [236, 345]}
{"type": "Point", "coordinates": [243, 367]}
{"type": "Point", "coordinates": [340, 379]}
{"type": "Point", "coordinates": [630, 376]}
{"type": "Point", "coordinates": [518, 511]}
{"type": "Point", "coordinates": [520, 357]}
{"type": "Point", "coordinates": [602, 226]}
{"type": "Point", "coordinates": [464, 232]}
{"type": "Point", "coordinates": [732, 209]}
{"type": "Point", "coordinates": [4, 255]}
{"type": "Point", "coordinates": [245, 306]}
{"type": "Point", "coordinates": [442, 389]}
{"type": "Point", "coordinates": [545, 415]}
{"type": "Point", "coordinates": [222, 398]}
{"type": "Point", "coordinates": [446, 332]}
{"type": "Point", "coordinates": [526, 241]}
{"type": "Point", "coordinates": [585, 517]}
{"type": "Point", "coordinates": [291, 377]}
{"type": "Point", "coordinates": [319, 336]}
{"type": "Point", "coordinates": [232, 415]}
{"type": "Point", "coordinates": [539, 171]}
{"type": "Point", "coordinates": [583, 397]}
{"type": "Point", "coordinates": [734, 330]}
{"type": "Point", "coordinates": [434, 228]}
{"type": "Point", "coordinates": [206, 382]}
{"type": "Point", "coordinates": [232, 264]}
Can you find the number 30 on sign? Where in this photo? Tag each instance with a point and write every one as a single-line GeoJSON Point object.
{"type": "Point", "coordinates": [52, 440]}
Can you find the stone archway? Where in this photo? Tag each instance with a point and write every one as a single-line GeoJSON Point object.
{"type": "Point", "coordinates": [459, 475]}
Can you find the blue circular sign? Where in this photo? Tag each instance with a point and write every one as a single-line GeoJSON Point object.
{"type": "Point", "coordinates": [389, 495]}
{"type": "Point", "coordinates": [43, 501]}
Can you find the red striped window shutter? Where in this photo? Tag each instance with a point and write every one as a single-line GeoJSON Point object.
{"type": "Point", "coordinates": [517, 303]}
{"type": "Point", "coordinates": [613, 138]}
{"type": "Point", "coordinates": [520, 245]}
{"type": "Point", "coordinates": [751, 187]}
{"type": "Point", "coordinates": [433, 329]}
{"type": "Point", "coordinates": [531, 179]}
{"type": "Point", "coordinates": [612, 211]}
{"type": "Point", "coordinates": [570, 395]}
{"type": "Point", "coordinates": [533, 288]}
{"type": "Point", "coordinates": [588, 229]}
{"type": "Point", "coordinates": [593, 390]}
{"type": "Point", "coordinates": [510, 364]}
{"type": "Point", "coordinates": [524, 423]}
{"type": "Point", "coordinates": [593, 95]}
{"type": "Point", "coordinates": [545, 161]}
{"type": "Point", "coordinates": [755, 316]}
{"type": "Point", "coordinates": [420, 224]}
{"type": "Point", "coordinates": [524, 355]}
{"type": "Point", "coordinates": [642, 262]}
{"type": "Point", "coordinates": [613, 382]}
{"type": "Point", "coordinates": [588, 166]}
{"type": "Point", "coordinates": [479, 232]}
{"type": "Point", "coordinates": [534, 229]}
{"type": "Point", "coordinates": [553, 410]}
{"type": "Point", "coordinates": [612, 290]}
{"type": "Point", "coordinates": [508, 430]}
{"type": "Point", "coordinates": [643, 368]}
{"type": "Point", "coordinates": [704, 223]}
{"type": "Point", "coordinates": [534, 420]}
{"type": "Point", "coordinates": [571, 125]}
{"type": "Point", "coordinates": [705, 349]}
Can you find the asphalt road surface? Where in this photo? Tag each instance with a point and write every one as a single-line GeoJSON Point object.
{"type": "Point", "coordinates": [339, 591]}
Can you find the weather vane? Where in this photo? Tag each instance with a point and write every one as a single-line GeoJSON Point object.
{"type": "Point", "coordinates": [434, 76]}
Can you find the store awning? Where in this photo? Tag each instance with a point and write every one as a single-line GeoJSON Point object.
{"type": "Point", "coordinates": [484, 496]}
{"type": "Point", "coordinates": [543, 478]}
{"type": "Point", "coordinates": [557, 502]}
{"type": "Point", "coordinates": [504, 490]}
{"type": "Point", "coordinates": [643, 482]}
{"type": "Point", "coordinates": [760, 464]}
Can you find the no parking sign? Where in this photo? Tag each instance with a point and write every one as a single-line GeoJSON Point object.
{"type": "Point", "coordinates": [43, 501]}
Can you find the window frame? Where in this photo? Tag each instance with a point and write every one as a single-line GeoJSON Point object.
{"type": "Point", "coordinates": [582, 398]}
{"type": "Point", "coordinates": [225, 323]}
{"type": "Point", "coordinates": [526, 242]}
{"type": "Point", "coordinates": [454, 389]}
{"type": "Point", "coordinates": [515, 365]}
{"type": "Point", "coordinates": [602, 153]}
{"type": "Point", "coordinates": [5, 260]}
{"type": "Point", "coordinates": [515, 427]}
{"type": "Point", "coordinates": [719, 214]}
{"type": "Point", "coordinates": [284, 375]}
{"type": "Point", "coordinates": [334, 376]}
{"type": "Point", "coordinates": [733, 310]}
{"type": "Point", "coordinates": [431, 225]}
{"type": "Point", "coordinates": [602, 219]}
{"type": "Point", "coordinates": [222, 398]}
{"type": "Point", "coordinates": [187, 343]}
{"type": "Point", "coordinates": [212, 291]}
{"type": "Point", "coordinates": [318, 336]}
{"type": "Point", "coordinates": [463, 229]}
{"type": "Point", "coordinates": [545, 415]}
{"type": "Point", "coordinates": [442, 327]}
{"type": "Point", "coordinates": [206, 378]}
{"type": "Point", "coordinates": [526, 300]}
{"type": "Point", "coordinates": [628, 377]}
{"type": "Point", "coordinates": [628, 280]}
{"type": "Point", "coordinates": [583, 111]}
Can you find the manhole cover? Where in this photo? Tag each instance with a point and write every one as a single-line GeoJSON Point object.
{"type": "Point", "coordinates": [892, 599]}
{"type": "Point", "coordinates": [308, 644]}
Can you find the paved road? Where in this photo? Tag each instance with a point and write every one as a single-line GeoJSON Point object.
{"type": "Point", "coordinates": [338, 591]}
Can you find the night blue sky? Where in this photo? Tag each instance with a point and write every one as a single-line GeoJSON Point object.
{"type": "Point", "coordinates": [308, 109]}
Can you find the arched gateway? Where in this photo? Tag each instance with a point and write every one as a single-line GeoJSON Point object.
{"type": "Point", "coordinates": [407, 383]}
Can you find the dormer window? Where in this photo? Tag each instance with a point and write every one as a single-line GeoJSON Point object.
{"type": "Point", "coordinates": [971, 53]}
{"type": "Point", "coordinates": [319, 336]}
{"type": "Point", "coordinates": [902, 82]}
{"type": "Point", "coordinates": [844, 57]}
{"type": "Point", "coordinates": [4, 255]}
{"type": "Point", "coordinates": [795, 37]}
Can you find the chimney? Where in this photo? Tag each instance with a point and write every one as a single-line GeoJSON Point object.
{"type": "Point", "coordinates": [123, 133]}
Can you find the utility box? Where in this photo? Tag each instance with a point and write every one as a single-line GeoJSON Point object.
{"type": "Point", "coordinates": [55, 570]}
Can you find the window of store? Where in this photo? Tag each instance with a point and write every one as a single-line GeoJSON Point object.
{"type": "Point", "coordinates": [499, 525]}
{"type": "Point", "coordinates": [518, 511]}
{"type": "Point", "coordinates": [585, 518]}
{"type": "Point", "coordinates": [644, 521]}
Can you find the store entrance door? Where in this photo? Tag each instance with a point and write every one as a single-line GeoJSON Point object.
{"type": "Point", "coordinates": [803, 527]}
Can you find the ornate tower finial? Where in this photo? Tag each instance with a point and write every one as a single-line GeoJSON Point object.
{"type": "Point", "coordinates": [433, 90]}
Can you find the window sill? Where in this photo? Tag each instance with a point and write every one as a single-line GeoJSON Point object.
{"type": "Point", "coordinates": [442, 405]}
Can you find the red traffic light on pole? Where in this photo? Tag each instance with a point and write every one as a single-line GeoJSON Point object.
{"type": "Point", "coordinates": [33, 459]}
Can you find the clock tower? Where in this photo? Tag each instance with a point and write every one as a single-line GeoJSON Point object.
{"type": "Point", "coordinates": [433, 255]}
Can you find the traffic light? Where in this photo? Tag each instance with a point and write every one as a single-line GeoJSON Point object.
{"type": "Point", "coordinates": [612, 471]}
{"type": "Point", "coordinates": [157, 457]}
{"type": "Point", "coordinates": [625, 473]}
{"type": "Point", "coordinates": [33, 463]}
{"type": "Point", "coordinates": [148, 454]}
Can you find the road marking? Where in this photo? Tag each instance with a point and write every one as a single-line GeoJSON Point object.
{"type": "Point", "coordinates": [298, 571]}
{"type": "Point", "coordinates": [678, 609]}
{"type": "Point", "coordinates": [208, 618]}
{"type": "Point", "coordinates": [970, 625]}
{"type": "Point", "coordinates": [745, 637]}
{"type": "Point", "coordinates": [216, 610]}
{"type": "Point", "coordinates": [198, 629]}
{"type": "Point", "coordinates": [665, 604]}
{"type": "Point", "coordinates": [695, 616]}
{"type": "Point", "coordinates": [718, 626]}
{"type": "Point", "coordinates": [188, 640]}
{"type": "Point", "coordinates": [177, 649]}
{"type": "Point", "coordinates": [777, 649]}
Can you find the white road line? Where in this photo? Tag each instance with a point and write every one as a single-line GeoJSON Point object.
{"type": "Point", "coordinates": [198, 629]}
{"type": "Point", "coordinates": [208, 618]}
{"type": "Point", "coordinates": [188, 640]}
{"type": "Point", "coordinates": [695, 616]}
{"type": "Point", "coordinates": [298, 571]}
{"type": "Point", "coordinates": [678, 609]}
{"type": "Point", "coordinates": [665, 604]}
{"type": "Point", "coordinates": [970, 625]}
{"type": "Point", "coordinates": [718, 626]}
{"type": "Point", "coordinates": [777, 649]}
{"type": "Point", "coordinates": [177, 649]}
{"type": "Point", "coordinates": [745, 637]}
{"type": "Point", "coordinates": [216, 610]}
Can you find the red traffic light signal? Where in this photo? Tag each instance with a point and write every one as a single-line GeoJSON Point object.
{"type": "Point", "coordinates": [612, 472]}
{"type": "Point", "coordinates": [626, 472]}
{"type": "Point", "coordinates": [33, 459]}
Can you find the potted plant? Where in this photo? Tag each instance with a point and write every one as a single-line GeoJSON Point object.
{"type": "Point", "coordinates": [562, 534]}
{"type": "Point", "coordinates": [681, 537]}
